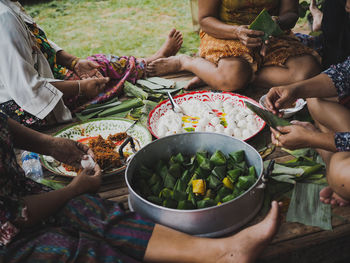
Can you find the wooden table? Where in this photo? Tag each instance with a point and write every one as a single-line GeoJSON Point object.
{"type": "Point", "coordinates": [294, 242]}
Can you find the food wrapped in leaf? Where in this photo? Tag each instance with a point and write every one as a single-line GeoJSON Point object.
{"type": "Point", "coordinates": [166, 193]}
{"type": "Point", "coordinates": [179, 196]}
{"type": "Point", "coordinates": [155, 199]}
{"type": "Point", "coordinates": [185, 205]}
{"type": "Point", "coordinates": [175, 170]}
{"type": "Point", "coordinates": [170, 203]}
{"type": "Point", "coordinates": [264, 22]}
{"type": "Point", "coordinates": [218, 158]}
{"type": "Point", "coordinates": [271, 119]}
{"type": "Point", "coordinates": [205, 203]}
{"type": "Point", "coordinates": [234, 174]}
{"type": "Point", "coordinates": [219, 172]}
{"type": "Point", "coordinates": [237, 156]}
{"type": "Point", "coordinates": [169, 181]}
{"type": "Point", "coordinates": [213, 182]}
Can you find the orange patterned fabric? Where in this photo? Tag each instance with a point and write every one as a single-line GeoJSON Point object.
{"type": "Point", "coordinates": [243, 12]}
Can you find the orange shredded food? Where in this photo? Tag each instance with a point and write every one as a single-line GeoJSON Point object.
{"type": "Point", "coordinates": [104, 150]}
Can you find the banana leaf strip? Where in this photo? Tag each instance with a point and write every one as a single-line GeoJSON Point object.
{"type": "Point", "coordinates": [264, 22]}
{"type": "Point", "coordinates": [124, 106]}
{"type": "Point", "coordinates": [305, 207]}
{"type": "Point", "coordinates": [271, 119]}
{"type": "Point", "coordinates": [167, 83]}
{"type": "Point", "coordinates": [100, 107]}
{"type": "Point", "coordinates": [228, 198]}
{"type": "Point", "coordinates": [285, 178]}
{"type": "Point", "coordinates": [149, 85]}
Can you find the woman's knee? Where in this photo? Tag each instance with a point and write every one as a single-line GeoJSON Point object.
{"type": "Point", "coordinates": [338, 174]}
{"type": "Point", "coordinates": [233, 74]}
{"type": "Point", "coordinates": [303, 67]}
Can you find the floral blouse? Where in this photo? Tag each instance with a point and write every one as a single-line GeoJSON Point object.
{"type": "Point", "coordinates": [340, 75]}
{"type": "Point", "coordinates": [13, 186]}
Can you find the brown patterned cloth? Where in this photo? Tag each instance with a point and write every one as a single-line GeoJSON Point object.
{"type": "Point", "coordinates": [278, 51]}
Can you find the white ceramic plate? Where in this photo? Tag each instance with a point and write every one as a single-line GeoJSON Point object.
{"type": "Point", "coordinates": [93, 128]}
{"type": "Point", "coordinates": [205, 96]}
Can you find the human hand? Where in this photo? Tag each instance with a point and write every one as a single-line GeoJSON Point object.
{"type": "Point", "coordinates": [265, 45]}
{"type": "Point", "coordinates": [90, 88]}
{"type": "Point", "coordinates": [69, 151]}
{"type": "Point", "coordinates": [250, 38]}
{"type": "Point", "coordinates": [279, 98]}
{"type": "Point", "coordinates": [87, 69]}
{"type": "Point", "coordinates": [294, 136]}
{"type": "Point", "coordinates": [87, 181]}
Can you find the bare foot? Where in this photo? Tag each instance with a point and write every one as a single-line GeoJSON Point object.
{"type": "Point", "coordinates": [317, 16]}
{"type": "Point", "coordinates": [195, 83]}
{"type": "Point", "coordinates": [328, 196]}
{"type": "Point", "coordinates": [248, 244]}
{"type": "Point", "coordinates": [165, 66]}
{"type": "Point", "coordinates": [170, 47]}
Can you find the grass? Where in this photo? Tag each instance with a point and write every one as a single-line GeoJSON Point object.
{"type": "Point", "coordinates": [120, 27]}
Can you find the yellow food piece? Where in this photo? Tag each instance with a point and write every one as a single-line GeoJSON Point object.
{"type": "Point", "coordinates": [219, 203]}
{"type": "Point", "coordinates": [227, 183]}
{"type": "Point", "coordinates": [199, 186]}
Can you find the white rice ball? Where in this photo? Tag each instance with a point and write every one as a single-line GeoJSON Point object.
{"type": "Point", "coordinates": [87, 162]}
{"type": "Point", "coordinates": [237, 133]}
{"type": "Point", "coordinates": [219, 128]}
{"type": "Point", "coordinates": [242, 123]}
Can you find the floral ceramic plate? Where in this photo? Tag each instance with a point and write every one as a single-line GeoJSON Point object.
{"type": "Point", "coordinates": [189, 122]}
{"type": "Point", "coordinates": [92, 128]}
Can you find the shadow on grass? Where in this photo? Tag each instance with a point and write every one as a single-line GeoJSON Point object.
{"type": "Point", "coordinates": [32, 2]}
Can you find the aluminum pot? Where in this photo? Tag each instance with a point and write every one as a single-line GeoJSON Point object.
{"type": "Point", "coordinates": [211, 221]}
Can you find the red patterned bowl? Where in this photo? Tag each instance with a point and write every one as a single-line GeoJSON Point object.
{"type": "Point", "coordinates": [205, 96]}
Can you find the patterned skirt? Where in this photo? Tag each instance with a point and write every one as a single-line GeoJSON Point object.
{"type": "Point", "coordinates": [279, 50]}
{"type": "Point", "coordinates": [87, 229]}
{"type": "Point", "coordinates": [118, 69]}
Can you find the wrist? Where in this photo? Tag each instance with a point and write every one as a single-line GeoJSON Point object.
{"type": "Point", "coordinates": [73, 63]}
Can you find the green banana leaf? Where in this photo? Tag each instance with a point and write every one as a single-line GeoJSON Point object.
{"type": "Point", "coordinates": [306, 208]}
{"type": "Point", "coordinates": [125, 106]}
{"type": "Point", "coordinates": [131, 90]}
{"type": "Point", "coordinates": [149, 85]}
{"type": "Point", "coordinates": [166, 83]}
{"type": "Point", "coordinates": [271, 119]}
{"type": "Point", "coordinates": [264, 22]}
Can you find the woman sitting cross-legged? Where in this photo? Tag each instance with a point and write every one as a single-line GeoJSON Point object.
{"type": "Point", "coordinates": [41, 84]}
{"type": "Point", "coordinates": [232, 56]}
{"type": "Point", "coordinates": [331, 138]}
{"type": "Point", "coordinates": [73, 225]}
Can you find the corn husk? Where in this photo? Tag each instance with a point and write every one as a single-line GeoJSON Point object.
{"type": "Point", "coordinates": [264, 22]}
{"type": "Point", "coordinates": [271, 119]}
{"type": "Point", "coordinates": [306, 208]}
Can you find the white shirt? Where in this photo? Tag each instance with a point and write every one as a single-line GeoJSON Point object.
{"type": "Point", "coordinates": [30, 88]}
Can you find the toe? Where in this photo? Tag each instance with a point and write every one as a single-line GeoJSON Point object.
{"type": "Point", "coordinates": [172, 32]}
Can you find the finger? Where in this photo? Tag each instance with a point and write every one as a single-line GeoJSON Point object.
{"type": "Point", "coordinates": [102, 81]}
{"type": "Point", "coordinates": [284, 129]}
{"type": "Point", "coordinates": [256, 33]}
{"type": "Point", "coordinates": [93, 64]}
{"type": "Point", "coordinates": [97, 170]}
{"type": "Point", "coordinates": [84, 148]}
{"type": "Point", "coordinates": [99, 75]}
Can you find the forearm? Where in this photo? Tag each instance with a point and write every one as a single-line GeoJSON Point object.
{"type": "Point", "coordinates": [322, 140]}
{"type": "Point", "coordinates": [28, 139]}
{"type": "Point", "coordinates": [218, 29]}
{"type": "Point", "coordinates": [65, 59]}
{"type": "Point", "coordinates": [320, 86]}
{"type": "Point", "coordinates": [287, 20]}
{"type": "Point", "coordinates": [41, 206]}
{"type": "Point", "coordinates": [69, 88]}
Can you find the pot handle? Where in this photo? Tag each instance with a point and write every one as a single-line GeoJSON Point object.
{"type": "Point", "coordinates": [266, 174]}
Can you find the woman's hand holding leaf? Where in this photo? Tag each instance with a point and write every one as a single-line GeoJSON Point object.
{"type": "Point", "coordinates": [90, 88]}
{"type": "Point", "coordinates": [250, 38]}
{"type": "Point", "coordinates": [292, 137]}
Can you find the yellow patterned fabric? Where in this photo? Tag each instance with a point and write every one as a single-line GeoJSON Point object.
{"type": "Point", "coordinates": [243, 12]}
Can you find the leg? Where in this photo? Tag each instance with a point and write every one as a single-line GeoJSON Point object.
{"type": "Point", "coordinates": [167, 245]}
{"type": "Point", "coordinates": [170, 47]}
{"type": "Point", "coordinates": [317, 16]}
{"type": "Point", "coordinates": [296, 69]}
{"type": "Point", "coordinates": [330, 116]}
{"type": "Point", "coordinates": [230, 74]}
